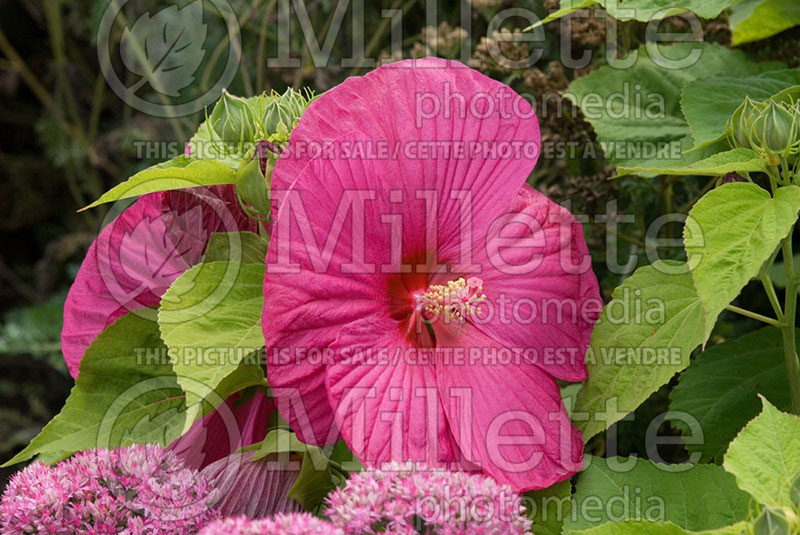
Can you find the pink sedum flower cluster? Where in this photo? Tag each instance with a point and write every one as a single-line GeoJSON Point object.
{"type": "Point", "coordinates": [400, 500]}
{"type": "Point", "coordinates": [138, 490]}
{"type": "Point", "coordinates": [283, 524]}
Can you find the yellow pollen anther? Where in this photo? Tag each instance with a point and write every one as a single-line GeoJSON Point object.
{"type": "Point", "coordinates": [455, 300]}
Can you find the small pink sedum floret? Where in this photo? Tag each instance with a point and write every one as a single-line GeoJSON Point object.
{"type": "Point", "coordinates": [282, 524]}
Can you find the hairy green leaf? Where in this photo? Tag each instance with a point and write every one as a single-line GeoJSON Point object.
{"type": "Point", "coordinates": [635, 527]}
{"type": "Point", "coordinates": [126, 392]}
{"type": "Point", "coordinates": [549, 508]}
{"type": "Point", "coordinates": [210, 319]}
{"type": "Point", "coordinates": [720, 389]}
{"type": "Point", "coordinates": [177, 173]}
{"type": "Point", "coordinates": [245, 247]}
{"type": "Point", "coordinates": [693, 497]}
{"type": "Point", "coordinates": [644, 336]}
{"type": "Point", "coordinates": [636, 112]}
{"type": "Point", "coordinates": [737, 160]}
{"type": "Point", "coordinates": [765, 456]}
{"type": "Point", "coordinates": [708, 103]}
{"type": "Point", "coordinates": [753, 20]}
{"type": "Point", "coordinates": [314, 482]}
{"type": "Point", "coordinates": [729, 235]}
{"type": "Point", "coordinates": [643, 10]}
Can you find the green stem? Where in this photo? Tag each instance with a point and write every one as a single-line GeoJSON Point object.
{"type": "Point", "coordinates": [214, 58]}
{"type": "Point", "coordinates": [754, 315]}
{"type": "Point", "coordinates": [338, 466]}
{"type": "Point", "coordinates": [299, 74]}
{"type": "Point", "coordinates": [788, 327]}
{"type": "Point", "coordinates": [97, 107]}
{"type": "Point", "coordinates": [141, 56]}
{"type": "Point", "coordinates": [666, 201]}
{"type": "Point", "coordinates": [380, 32]}
{"type": "Point", "coordinates": [775, 177]}
{"type": "Point", "coordinates": [787, 170]}
{"type": "Point", "coordinates": [261, 64]}
{"type": "Point", "coordinates": [57, 45]}
{"type": "Point", "coordinates": [766, 281]}
{"type": "Point", "coordinates": [246, 80]}
{"type": "Point", "coordinates": [27, 75]}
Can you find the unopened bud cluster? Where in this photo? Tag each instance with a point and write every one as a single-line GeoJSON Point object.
{"type": "Point", "coordinates": [248, 120]}
{"type": "Point", "coordinates": [248, 133]}
{"type": "Point", "coordinates": [770, 128]}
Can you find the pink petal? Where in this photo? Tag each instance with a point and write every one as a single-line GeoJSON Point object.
{"type": "Point", "coordinates": [224, 430]}
{"type": "Point", "coordinates": [255, 489]}
{"type": "Point", "coordinates": [507, 415]}
{"type": "Point", "coordinates": [311, 291]}
{"type": "Point", "coordinates": [540, 288]}
{"type": "Point", "coordinates": [385, 394]}
{"type": "Point", "coordinates": [395, 106]}
{"type": "Point", "coordinates": [306, 307]}
{"type": "Point", "coordinates": [195, 213]}
{"type": "Point", "coordinates": [128, 267]}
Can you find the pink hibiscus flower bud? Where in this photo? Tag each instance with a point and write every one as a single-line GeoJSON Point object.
{"type": "Point", "coordinates": [421, 300]}
{"type": "Point", "coordinates": [282, 524]}
{"type": "Point", "coordinates": [251, 488]}
{"type": "Point", "coordinates": [405, 500]}
{"type": "Point", "coordinates": [128, 491]}
{"type": "Point", "coordinates": [732, 177]}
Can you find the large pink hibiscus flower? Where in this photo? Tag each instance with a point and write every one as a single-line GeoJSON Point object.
{"type": "Point", "coordinates": [421, 299]}
{"type": "Point", "coordinates": [128, 268]}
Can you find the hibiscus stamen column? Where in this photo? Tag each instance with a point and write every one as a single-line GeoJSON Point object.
{"type": "Point", "coordinates": [455, 300]}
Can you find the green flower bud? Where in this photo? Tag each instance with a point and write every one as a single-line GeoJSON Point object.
{"type": "Point", "coordinates": [295, 104]}
{"type": "Point", "coordinates": [233, 119]}
{"type": "Point", "coordinates": [251, 185]}
{"type": "Point", "coordinates": [740, 125]}
{"type": "Point", "coordinates": [775, 131]}
{"type": "Point", "coordinates": [795, 149]}
{"type": "Point", "coordinates": [772, 521]}
{"type": "Point", "coordinates": [274, 115]}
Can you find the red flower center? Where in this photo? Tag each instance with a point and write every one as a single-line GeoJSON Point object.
{"type": "Point", "coordinates": [429, 312]}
